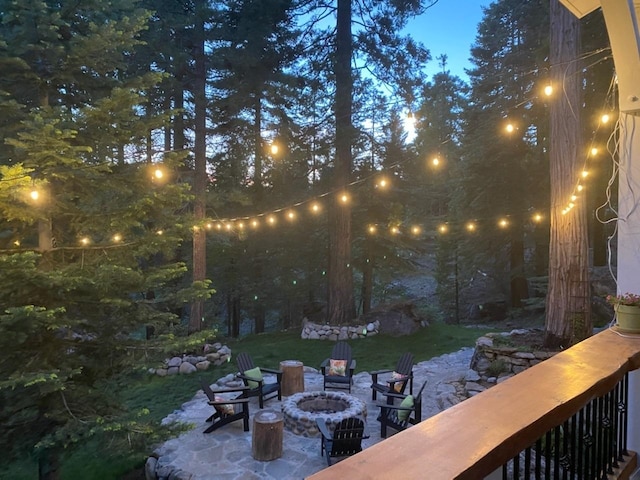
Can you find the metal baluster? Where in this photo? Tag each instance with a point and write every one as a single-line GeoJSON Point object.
{"type": "Point", "coordinates": [538, 468]}
{"type": "Point", "coordinates": [547, 455]}
{"type": "Point", "coordinates": [580, 443]}
{"type": "Point", "coordinates": [527, 463]}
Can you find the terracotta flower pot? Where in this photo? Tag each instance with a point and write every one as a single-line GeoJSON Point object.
{"type": "Point", "coordinates": [628, 317]}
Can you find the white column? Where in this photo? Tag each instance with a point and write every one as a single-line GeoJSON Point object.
{"type": "Point", "coordinates": [629, 244]}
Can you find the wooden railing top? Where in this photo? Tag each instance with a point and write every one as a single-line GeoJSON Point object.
{"type": "Point", "coordinates": [472, 439]}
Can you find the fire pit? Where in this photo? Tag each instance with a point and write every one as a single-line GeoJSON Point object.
{"type": "Point", "coordinates": [301, 410]}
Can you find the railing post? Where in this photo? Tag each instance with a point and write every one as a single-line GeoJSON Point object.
{"type": "Point", "coordinates": [633, 437]}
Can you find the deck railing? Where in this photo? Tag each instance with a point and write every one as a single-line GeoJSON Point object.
{"type": "Point", "coordinates": [564, 418]}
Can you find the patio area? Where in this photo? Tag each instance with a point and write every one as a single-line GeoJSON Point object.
{"type": "Point", "coordinates": [225, 454]}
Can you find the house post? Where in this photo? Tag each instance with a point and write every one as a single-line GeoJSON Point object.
{"type": "Point", "coordinates": [629, 244]}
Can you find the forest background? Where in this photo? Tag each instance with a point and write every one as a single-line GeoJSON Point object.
{"type": "Point", "coordinates": [213, 168]}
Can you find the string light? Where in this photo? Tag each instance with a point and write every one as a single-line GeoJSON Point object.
{"type": "Point", "coordinates": [548, 90]}
{"type": "Point", "coordinates": [34, 194]}
{"type": "Point", "coordinates": [471, 226]}
{"type": "Point", "coordinates": [117, 238]}
{"type": "Point", "coordinates": [594, 151]}
{"type": "Point", "coordinates": [443, 228]}
{"type": "Point", "coordinates": [510, 128]}
{"type": "Point", "coordinates": [503, 223]}
{"type": "Point", "coordinates": [84, 240]}
{"type": "Point", "coordinates": [372, 229]}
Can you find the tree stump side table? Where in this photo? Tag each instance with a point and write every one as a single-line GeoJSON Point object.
{"type": "Point", "coordinates": [292, 377]}
{"type": "Point", "coordinates": [266, 442]}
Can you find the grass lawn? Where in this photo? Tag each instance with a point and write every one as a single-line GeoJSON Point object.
{"type": "Point", "coordinates": [163, 395]}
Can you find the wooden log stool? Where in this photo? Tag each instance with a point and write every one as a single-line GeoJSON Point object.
{"type": "Point", "coordinates": [292, 377]}
{"type": "Point", "coordinates": [266, 443]}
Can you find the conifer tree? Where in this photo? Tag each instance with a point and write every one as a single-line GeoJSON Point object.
{"type": "Point", "coordinates": [77, 296]}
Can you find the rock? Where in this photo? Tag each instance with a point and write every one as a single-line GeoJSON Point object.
{"type": "Point", "coordinates": [398, 319]}
{"type": "Point", "coordinates": [180, 475]}
{"type": "Point", "coordinates": [174, 362]}
{"type": "Point", "coordinates": [371, 327]}
{"type": "Point", "coordinates": [161, 372]}
{"type": "Point", "coordinates": [150, 468]}
{"type": "Point", "coordinates": [471, 376]}
{"type": "Point", "coordinates": [314, 335]}
{"type": "Point", "coordinates": [191, 359]}
{"type": "Point", "coordinates": [186, 368]}
{"type": "Point", "coordinates": [203, 365]}
{"type": "Point", "coordinates": [173, 371]}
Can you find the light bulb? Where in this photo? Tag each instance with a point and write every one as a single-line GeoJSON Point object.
{"type": "Point", "coordinates": [548, 90]}
{"type": "Point", "coordinates": [34, 195]}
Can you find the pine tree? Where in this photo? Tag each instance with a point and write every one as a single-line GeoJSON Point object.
{"type": "Point", "coordinates": [76, 297]}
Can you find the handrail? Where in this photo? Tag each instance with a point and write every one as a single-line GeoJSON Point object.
{"type": "Point", "coordinates": [474, 438]}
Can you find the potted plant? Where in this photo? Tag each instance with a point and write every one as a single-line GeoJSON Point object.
{"type": "Point", "coordinates": [627, 308]}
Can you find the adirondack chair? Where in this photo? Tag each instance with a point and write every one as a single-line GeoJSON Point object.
{"type": "Point", "coordinates": [252, 378]}
{"type": "Point", "coordinates": [394, 381]}
{"type": "Point", "coordinates": [226, 410]}
{"type": "Point", "coordinates": [337, 370]}
{"type": "Point", "coordinates": [345, 440]}
{"type": "Point", "coordinates": [399, 417]}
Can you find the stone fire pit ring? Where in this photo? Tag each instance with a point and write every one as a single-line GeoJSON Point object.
{"type": "Point", "coordinates": [301, 410]}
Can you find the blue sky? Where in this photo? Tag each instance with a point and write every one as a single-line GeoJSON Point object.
{"type": "Point", "coordinates": [449, 27]}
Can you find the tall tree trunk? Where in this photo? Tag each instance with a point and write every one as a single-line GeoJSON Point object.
{"type": "Point", "coordinates": [200, 170]}
{"type": "Point", "coordinates": [341, 305]}
{"type": "Point", "coordinates": [519, 288]}
{"type": "Point", "coordinates": [259, 311]}
{"type": "Point", "coordinates": [568, 315]}
{"type": "Point", "coordinates": [367, 277]}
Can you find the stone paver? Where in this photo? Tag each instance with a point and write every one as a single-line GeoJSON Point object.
{"type": "Point", "coordinates": [226, 453]}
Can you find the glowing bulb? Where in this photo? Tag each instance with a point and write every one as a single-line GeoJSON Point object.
{"type": "Point", "coordinates": [571, 205]}
{"type": "Point", "coordinates": [471, 226]}
{"type": "Point", "coordinates": [315, 207]}
{"type": "Point", "coordinates": [594, 151]}
{"type": "Point", "coordinates": [584, 174]}
{"type": "Point", "coordinates": [158, 173]}
{"type": "Point", "coordinates": [548, 90]}
{"type": "Point", "coordinates": [34, 195]}
{"type": "Point", "coordinates": [228, 226]}
{"type": "Point", "coordinates": [274, 149]}
{"type": "Point", "coordinates": [209, 225]}
{"type": "Point", "coordinates": [435, 162]}
{"type": "Point", "coordinates": [510, 128]}
{"type": "Point", "coordinates": [219, 226]}
{"type": "Point", "coordinates": [84, 241]}
{"type": "Point", "coordinates": [372, 229]}
{"type": "Point", "coordinates": [240, 225]}
{"type": "Point", "coordinates": [443, 229]}
{"type": "Point", "coordinates": [271, 220]}
{"type": "Point", "coordinates": [503, 223]}
{"type": "Point", "coordinates": [117, 238]}
{"type": "Point", "coordinates": [580, 188]}
{"type": "Point", "coordinates": [415, 230]}
{"type": "Point", "coordinates": [395, 230]}
{"type": "Point", "coordinates": [254, 223]}
{"type": "Point", "coordinates": [605, 118]}
{"type": "Point", "coordinates": [291, 215]}
{"type": "Point", "coordinates": [574, 198]}
{"type": "Point", "coordinates": [344, 198]}
{"type": "Point", "coordinates": [537, 218]}
{"type": "Point", "coordinates": [383, 183]}
{"type": "Point", "coordinates": [17, 243]}
{"type": "Point", "coordinates": [159, 232]}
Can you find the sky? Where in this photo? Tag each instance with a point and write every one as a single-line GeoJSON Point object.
{"type": "Point", "coordinates": [449, 27]}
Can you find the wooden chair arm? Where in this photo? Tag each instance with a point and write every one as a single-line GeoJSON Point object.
{"type": "Point", "coordinates": [322, 427]}
{"type": "Point", "coordinates": [379, 372]}
{"type": "Point", "coordinates": [229, 401]}
{"type": "Point", "coordinates": [271, 370]}
{"type": "Point", "coordinates": [229, 390]}
{"type": "Point", "coordinates": [250, 379]}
